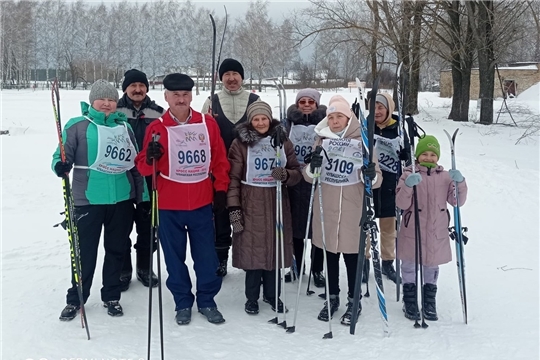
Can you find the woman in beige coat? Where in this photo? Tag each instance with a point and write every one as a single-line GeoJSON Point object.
{"type": "Point", "coordinates": [251, 201]}
{"type": "Point", "coordinates": [342, 196]}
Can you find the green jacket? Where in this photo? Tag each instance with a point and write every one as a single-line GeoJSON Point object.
{"type": "Point", "coordinates": [91, 187]}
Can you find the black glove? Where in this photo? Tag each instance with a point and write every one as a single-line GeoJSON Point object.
{"type": "Point", "coordinates": [220, 202]}
{"type": "Point", "coordinates": [154, 151]}
{"type": "Point", "coordinates": [405, 154]}
{"type": "Point", "coordinates": [237, 219]}
{"type": "Point", "coordinates": [369, 170]}
{"type": "Point", "coordinates": [144, 209]}
{"type": "Point", "coordinates": [307, 158]}
{"type": "Point", "coordinates": [280, 174]}
{"type": "Point", "coordinates": [316, 162]}
{"type": "Point", "coordinates": [62, 167]}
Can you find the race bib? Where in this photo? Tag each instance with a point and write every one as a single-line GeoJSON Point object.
{"type": "Point", "coordinates": [189, 153]}
{"type": "Point", "coordinates": [261, 159]}
{"type": "Point", "coordinates": [345, 158]}
{"type": "Point", "coordinates": [303, 138]}
{"type": "Point", "coordinates": [387, 152]}
{"type": "Point", "coordinates": [116, 153]}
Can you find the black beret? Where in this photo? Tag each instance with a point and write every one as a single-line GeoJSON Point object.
{"type": "Point", "coordinates": [178, 82]}
{"type": "Point", "coordinates": [132, 76]}
{"type": "Point", "coordinates": [230, 65]}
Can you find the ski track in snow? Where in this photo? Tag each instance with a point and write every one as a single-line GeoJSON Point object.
{"type": "Point", "coordinates": [502, 213]}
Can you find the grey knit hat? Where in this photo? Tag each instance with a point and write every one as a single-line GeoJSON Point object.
{"type": "Point", "coordinates": [102, 89]}
{"type": "Point", "coordinates": [380, 98]}
{"type": "Point", "coordinates": [259, 108]}
{"type": "Point", "coordinates": [310, 93]}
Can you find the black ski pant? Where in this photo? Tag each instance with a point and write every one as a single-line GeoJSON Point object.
{"type": "Point", "coordinates": [333, 272]}
{"type": "Point", "coordinates": [116, 220]}
{"type": "Point", "coordinates": [253, 284]}
{"type": "Point", "coordinates": [316, 255]}
{"type": "Point", "coordinates": [222, 226]}
{"type": "Point", "coordinates": [143, 223]}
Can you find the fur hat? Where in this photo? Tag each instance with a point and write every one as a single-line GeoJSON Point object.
{"type": "Point", "coordinates": [102, 89]}
{"type": "Point", "coordinates": [178, 82]}
{"type": "Point", "coordinates": [258, 108]}
{"type": "Point", "coordinates": [230, 65]}
{"type": "Point", "coordinates": [428, 143]}
{"type": "Point", "coordinates": [339, 104]}
{"type": "Point", "coordinates": [132, 76]}
{"type": "Point", "coordinates": [310, 93]}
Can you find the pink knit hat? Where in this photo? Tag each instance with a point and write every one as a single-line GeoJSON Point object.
{"type": "Point", "coordinates": [339, 104]}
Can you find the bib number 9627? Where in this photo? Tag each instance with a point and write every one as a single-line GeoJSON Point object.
{"type": "Point", "coordinates": [264, 163]}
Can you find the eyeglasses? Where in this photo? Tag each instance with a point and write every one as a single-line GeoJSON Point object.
{"type": "Point", "coordinates": [304, 102]}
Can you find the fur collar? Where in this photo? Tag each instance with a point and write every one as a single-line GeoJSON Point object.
{"type": "Point", "coordinates": [249, 136]}
{"type": "Point", "coordinates": [296, 116]}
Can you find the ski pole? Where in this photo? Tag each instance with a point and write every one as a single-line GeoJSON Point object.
{"type": "Point", "coordinates": [292, 328]}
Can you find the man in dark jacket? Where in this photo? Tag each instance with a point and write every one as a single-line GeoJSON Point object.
{"type": "Point", "coordinates": [140, 111]}
{"type": "Point", "coordinates": [228, 107]}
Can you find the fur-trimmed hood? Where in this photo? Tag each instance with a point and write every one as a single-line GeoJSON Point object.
{"type": "Point", "coordinates": [248, 135]}
{"type": "Point", "coordinates": [295, 116]}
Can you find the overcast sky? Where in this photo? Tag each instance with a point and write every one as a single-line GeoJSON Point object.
{"type": "Point", "coordinates": [276, 8]}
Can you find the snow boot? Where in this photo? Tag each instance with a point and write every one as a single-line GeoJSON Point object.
{"type": "Point", "coordinates": [144, 276]}
{"type": "Point", "coordinates": [113, 308]}
{"type": "Point", "coordinates": [334, 305]}
{"type": "Point", "coordinates": [410, 307]}
{"type": "Point", "coordinates": [272, 303]}
{"type": "Point", "coordinates": [388, 270]}
{"type": "Point", "coordinates": [212, 315]}
{"type": "Point", "coordinates": [252, 307]}
{"type": "Point", "coordinates": [222, 268]}
{"type": "Point", "coordinates": [318, 279]}
{"type": "Point", "coordinates": [183, 316]}
{"type": "Point", "coordinates": [346, 318]}
{"type": "Point", "coordinates": [69, 312]}
{"type": "Point", "coordinates": [428, 307]}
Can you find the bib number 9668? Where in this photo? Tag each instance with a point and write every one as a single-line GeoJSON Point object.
{"type": "Point", "coordinates": [191, 157]}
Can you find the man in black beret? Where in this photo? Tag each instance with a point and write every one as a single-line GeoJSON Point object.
{"type": "Point", "coordinates": [228, 107]}
{"type": "Point", "coordinates": [193, 181]}
{"type": "Point", "coordinates": [140, 111]}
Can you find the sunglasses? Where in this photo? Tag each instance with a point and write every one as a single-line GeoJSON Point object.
{"type": "Point", "coordinates": [304, 102]}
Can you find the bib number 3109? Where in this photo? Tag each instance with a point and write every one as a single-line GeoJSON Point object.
{"type": "Point", "coordinates": [341, 166]}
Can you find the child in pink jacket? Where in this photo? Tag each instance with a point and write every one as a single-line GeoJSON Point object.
{"type": "Point", "coordinates": [435, 187]}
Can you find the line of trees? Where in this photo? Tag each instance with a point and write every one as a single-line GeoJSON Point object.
{"type": "Point", "coordinates": [349, 39]}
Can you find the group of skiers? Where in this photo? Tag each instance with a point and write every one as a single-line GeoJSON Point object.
{"type": "Point", "coordinates": [217, 173]}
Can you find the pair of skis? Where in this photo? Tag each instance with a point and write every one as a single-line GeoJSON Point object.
{"type": "Point", "coordinates": [214, 42]}
{"type": "Point", "coordinates": [367, 221]}
{"type": "Point", "coordinates": [69, 210]}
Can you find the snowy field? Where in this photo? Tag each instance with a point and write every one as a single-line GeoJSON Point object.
{"type": "Point", "coordinates": [502, 213]}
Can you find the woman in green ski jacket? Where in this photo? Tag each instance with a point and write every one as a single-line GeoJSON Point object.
{"type": "Point", "coordinates": [102, 147]}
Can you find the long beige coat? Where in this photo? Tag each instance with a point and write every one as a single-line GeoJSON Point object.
{"type": "Point", "coordinates": [342, 205]}
{"type": "Point", "coordinates": [254, 248]}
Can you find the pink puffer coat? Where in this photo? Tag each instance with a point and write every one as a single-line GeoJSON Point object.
{"type": "Point", "coordinates": [434, 192]}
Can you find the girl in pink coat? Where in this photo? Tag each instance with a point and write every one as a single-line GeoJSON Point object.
{"type": "Point", "coordinates": [435, 188]}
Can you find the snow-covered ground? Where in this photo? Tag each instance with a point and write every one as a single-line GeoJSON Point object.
{"type": "Point", "coordinates": [502, 213]}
